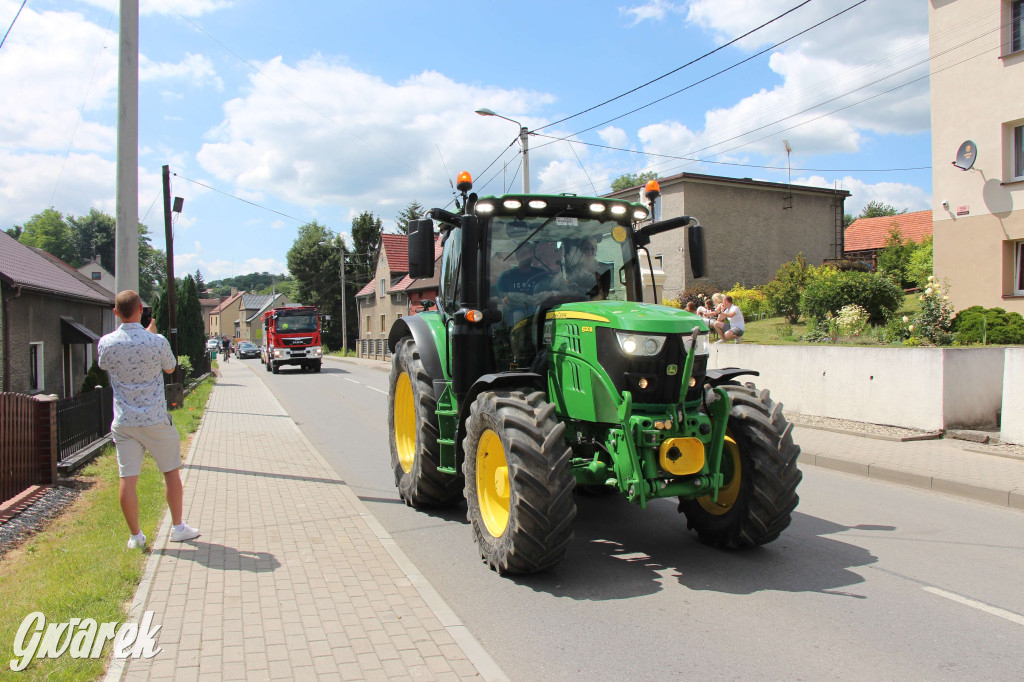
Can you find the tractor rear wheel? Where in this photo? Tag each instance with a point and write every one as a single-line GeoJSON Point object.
{"type": "Point", "coordinates": [759, 461]}
{"type": "Point", "coordinates": [518, 483]}
{"type": "Point", "coordinates": [412, 426]}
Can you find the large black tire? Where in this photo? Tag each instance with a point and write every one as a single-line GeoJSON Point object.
{"type": "Point", "coordinates": [756, 508]}
{"type": "Point", "coordinates": [317, 365]}
{"type": "Point", "coordinates": [520, 502]}
{"type": "Point", "coordinates": [415, 457]}
{"type": "Point", "coordinates": [274, 367]}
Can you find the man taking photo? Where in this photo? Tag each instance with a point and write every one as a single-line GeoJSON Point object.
{"type": "Point", "coordinates": [133, 356]}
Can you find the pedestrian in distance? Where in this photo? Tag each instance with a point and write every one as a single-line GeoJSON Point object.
{"type": "Point", "coordinates": [730, 323]}
{"type": "Point", "coordinates": [134, 356]}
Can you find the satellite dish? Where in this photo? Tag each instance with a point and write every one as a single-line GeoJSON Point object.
{"type": "Point", "coordinates": [966, 155]}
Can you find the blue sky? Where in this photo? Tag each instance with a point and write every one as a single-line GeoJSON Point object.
{"type": "Point", "coordinates": [326, 109]}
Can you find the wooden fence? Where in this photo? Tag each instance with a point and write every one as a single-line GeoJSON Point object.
{"type": "Point", "coordinates": [28, 448]}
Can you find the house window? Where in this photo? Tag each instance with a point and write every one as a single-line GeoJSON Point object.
{"type": "Point", "coordinates": [660, 260]}
{"type": "Point", "coordinates": [383, 287]}
{"type": "Point", "coordinates": [97, 275]}
{"type": "Point", "coordinates": [1017, 26]}
{"type": "Point", "coordinates": [1018, 152]}
{"type": "Point", "coordinates": [383, 322]}
{"type": "Point", "coordinates": [1018, 268]}
{"type": "Point", "coordinates": [367, 326]}
{"type": "Point", "coordinates": [35, 366]}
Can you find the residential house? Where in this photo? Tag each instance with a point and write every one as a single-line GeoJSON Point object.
{"type": "Point", "coordinates": [865, 237]}
{"type": "Point", "coordinates": [51, 317]}
{"type": "Point", "coordinates": [751, 227]}
{"type": "Point", "coordinates": [251, 308]}
{"type": "Point", "coordinates": [221, 324]}
{"type": "Point", "coordinates": [98, 274]}
{"type": "Point", "coordinates": [208, 305]}
{"type": "Point", "coordinates": [977, 123]}
{"type": "Point", "coordinates": [389, 294]}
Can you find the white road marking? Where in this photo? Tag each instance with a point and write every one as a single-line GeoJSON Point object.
{"type": "Point", "coordinates": [993, 610]}
{"type": "Point", "coordinates": [366, 386]}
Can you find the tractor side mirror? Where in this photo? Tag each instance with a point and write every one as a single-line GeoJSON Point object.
{"type": "Point", "coordinates": [644, 234]}
{"type": "Point", "coordinates": [697, 248]}
{"type": "Point", "coordinates": [421, 248]}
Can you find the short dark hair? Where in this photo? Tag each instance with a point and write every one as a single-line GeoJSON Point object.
{"type": "Point", "coordinates": [127, 302]}
{"type": "Point", "coordinates": [728, 298]}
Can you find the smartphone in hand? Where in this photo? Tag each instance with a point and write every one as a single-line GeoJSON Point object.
{"type": "Point", "coordinates": [147, 316]}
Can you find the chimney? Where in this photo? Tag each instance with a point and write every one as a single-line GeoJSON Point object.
{"type": "Point", "coordinates": [234, 291]}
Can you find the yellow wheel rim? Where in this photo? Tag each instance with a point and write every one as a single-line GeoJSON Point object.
{"type": "Point", "coordinates": [492, 483]}
{"type": "Point", "coordinates": [733, 472]}
{"type": "Point", "coordinates": [405, 422]}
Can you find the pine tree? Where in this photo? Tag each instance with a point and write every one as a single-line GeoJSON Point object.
{"type": "Point", "coordinates": [414, 211]}
{"type": "Point", "coordinates": [200, 284]}
{"type": "Point", "coordinates": [160, 310]}
{"type": "Point", "coordinates": [191, 341]}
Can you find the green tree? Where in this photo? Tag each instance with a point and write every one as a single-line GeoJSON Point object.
{"type": "Point", "coordinates": [14, 231]}
{"type": "Point", "coordinates": [894, 258]}
{"type": "Point", "coordinates": [878, 209]}
{"type": "Point", "coordinates": [200, 284]}
{"type": "Point", "coordinates": [152, 265]}
{"type": "Point", "coordinates": [632, 180]}
{"type": "Point", "coordinates": [160, 310]}
{"type": "Point", "coordinates": [414, 211]}
{"type": "Point", "coordinates": [313, 262]}
{"type": "Point", "coordinates": [94, 237]}
{"type": "Point", "coordinates": [921, 265]}
{"type": "Point", "coordinates": [191, 337]}
{"type": "Point", "coordinates": [49, 231]}
{"type": "Point", "coordinates": [783, 292]}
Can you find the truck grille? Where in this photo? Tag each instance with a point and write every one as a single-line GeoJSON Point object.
{"type": "Point", "coordinates": [297, 341]}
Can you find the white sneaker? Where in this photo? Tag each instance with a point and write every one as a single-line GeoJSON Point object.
{"type": "Point", "coordinates": [720, 341]}
{"type": "Point", "coordinates": [183, 532]}
{"type": "Point", "coordinates": [137, 541]}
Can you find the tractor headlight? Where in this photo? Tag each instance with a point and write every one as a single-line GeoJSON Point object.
{"type": "Point", "coordinates": [702, 344]}
{"type": "Point", "coordinates": [640, 344]}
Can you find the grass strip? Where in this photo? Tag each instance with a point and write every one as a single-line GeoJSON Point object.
{"type": "Point", "coordinates": [78, 565]}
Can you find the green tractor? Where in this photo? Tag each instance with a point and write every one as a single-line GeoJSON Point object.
{"type": "Point", "coordinates": [542, 371]}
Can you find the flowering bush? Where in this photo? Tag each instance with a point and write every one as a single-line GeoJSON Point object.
{"type": "Point", "coordinates": [934, 322]}
{"type": "Point", "coordinates": [875, 293]}
{"type": "Point", "coordinates": [752, 302]}
{"type": "Point", "coordinates": [851, 320]}
{"type": "Point", "coordinates": [671, 302]}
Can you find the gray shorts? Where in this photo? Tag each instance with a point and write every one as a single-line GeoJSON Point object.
{"type": "Point", "coordinates": [161, 440]}
{"type": "Point", "coordinates": [735, 331]}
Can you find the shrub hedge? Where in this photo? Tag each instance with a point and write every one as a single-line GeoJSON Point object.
{"type": "Point", "coordinates": [877, 294]}
{"type": "Point", "coordinates": [992, 325]}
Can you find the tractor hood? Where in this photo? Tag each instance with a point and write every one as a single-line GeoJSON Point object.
{"type": "Point", "coordinates": [631, 316]}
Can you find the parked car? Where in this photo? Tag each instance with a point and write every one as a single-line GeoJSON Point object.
{"type": "Point", "coordinates": [212, 344]}
{"type": "Point", "coordinates": [248, 350]}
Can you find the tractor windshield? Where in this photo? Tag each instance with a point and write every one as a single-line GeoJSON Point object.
{"type": "Point", "coordinates": [543, 260]}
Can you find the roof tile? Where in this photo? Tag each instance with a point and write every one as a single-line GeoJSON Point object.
{"type": "Point", "coordinates": [20, 265]}
{"type": "Point", "coordinates": [871, 233]}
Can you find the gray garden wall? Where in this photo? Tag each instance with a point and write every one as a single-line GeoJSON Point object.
{"type": "Point", "coordinates": [921, 388]}
{"type": "Point", "coordinates": [1013, 397]}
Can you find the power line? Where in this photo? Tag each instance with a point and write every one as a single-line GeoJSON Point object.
{"type": "Point", "coordinates": [246, 201]}
{"type": "Point", "coordinates": [18, 14]}
{"type": "Point", "coordinates": [719, 73]}
{"type": "Point", "coordinates": [680, 68]}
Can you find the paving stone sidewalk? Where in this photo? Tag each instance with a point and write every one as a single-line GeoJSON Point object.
{"type": "Point", "coordinates": [292, 577]}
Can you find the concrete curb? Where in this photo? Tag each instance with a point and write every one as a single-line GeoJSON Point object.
{"type": "Point", "coordinates": [1004, 497]}
{"type": "Point", "coordinates": [934, 435]}
{"type": "Point", "coordinates": [475, 652]}
{"type": "Point", "coordinates": [379, 365]}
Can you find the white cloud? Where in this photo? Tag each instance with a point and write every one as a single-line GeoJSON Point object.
{"type": "Point", "coordinates": [220, 268]}
{"type": "Point", "coordinates": [897, 194]}
{"type": "Point", "coordinates": [838, 61]}
{"type": "Point", "coordinates": [613, 137]}
{"type": "Point", "coordinates": [354, 139]}
{"type": "Point", "coordinates": [655, 10]}
{"type": "Point", "coordinates": [195, 69]}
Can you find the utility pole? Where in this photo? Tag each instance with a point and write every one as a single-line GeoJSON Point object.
{"type": "Point", "coordinates": [344, 329]}
{"type": "Point", "coordinates": [126, 240]}
{"type": "Point", "coordinates": [172, 306]}
{"type": "Point", "coordinates": [524, 140]}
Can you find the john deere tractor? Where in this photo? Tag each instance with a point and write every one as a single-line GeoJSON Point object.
{"type": "Point", "coordinates": [542, 371]}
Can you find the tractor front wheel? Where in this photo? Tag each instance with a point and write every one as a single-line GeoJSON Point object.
{"type": "Point", "coordinates": [759, 463]}
{"type": "Point", "coordinates": [412, 425]}
{"type": "Point", "coordinates": [518, 483]}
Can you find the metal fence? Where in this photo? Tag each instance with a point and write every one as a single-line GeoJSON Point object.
{"type": "Point", "coordinates": [82, 420]}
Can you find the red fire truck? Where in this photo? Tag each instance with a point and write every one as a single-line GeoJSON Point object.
{"type": "Point", "coordinates": [291, 336]}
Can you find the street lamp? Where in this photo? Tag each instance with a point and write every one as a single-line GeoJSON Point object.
{"type": "Point", "coordinates": [524, 141]}
{"type": "Point", "coordinates": [341, 261]}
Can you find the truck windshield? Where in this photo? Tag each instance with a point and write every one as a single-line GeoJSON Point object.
{"type": "Point", "coordinates": [296, 323]}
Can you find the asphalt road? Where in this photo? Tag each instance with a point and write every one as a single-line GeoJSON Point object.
{"type": "Point", "coordinates": [871, 581]}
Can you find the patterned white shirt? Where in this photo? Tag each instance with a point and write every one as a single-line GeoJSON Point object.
{"type": "Point", "coordinates": [135, 359]}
